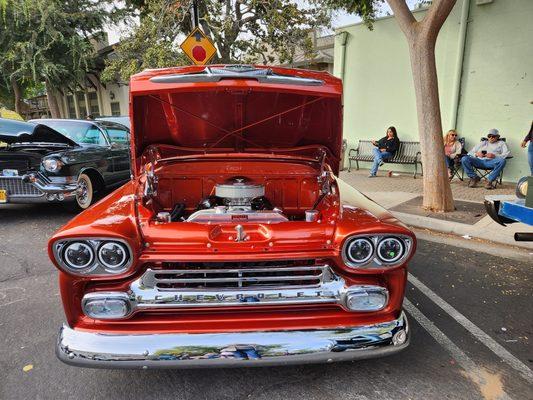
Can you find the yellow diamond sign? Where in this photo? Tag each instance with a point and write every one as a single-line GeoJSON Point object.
{"type": "Point", "coordinates": [198, 47]}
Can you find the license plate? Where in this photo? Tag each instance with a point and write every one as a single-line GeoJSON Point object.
{"type": "Point", "coordinates": [3, 196]}
{"type": "Point", "coordinates": [10, 172]}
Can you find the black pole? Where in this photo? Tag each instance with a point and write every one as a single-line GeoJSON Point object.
{"type": "Point", "coordinates": [195, 18]}
{"type": "Point", "coordinates": [523, 236]}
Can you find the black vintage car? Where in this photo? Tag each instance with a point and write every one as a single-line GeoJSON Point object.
{"type": "Point", "coordinates": [60, 160]}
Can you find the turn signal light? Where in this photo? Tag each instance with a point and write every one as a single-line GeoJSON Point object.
{"type": "Point", "coordinates": [370, 298]}
{"type": "Point", "coordinates": [106, 305]}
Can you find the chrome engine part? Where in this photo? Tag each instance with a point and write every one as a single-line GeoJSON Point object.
{"type": "Point", "coordinates": [225, 214]}
{"type": "Point", "coordinates": [239, 192]}
{"type": "Point", "coordinates": [235, 201]}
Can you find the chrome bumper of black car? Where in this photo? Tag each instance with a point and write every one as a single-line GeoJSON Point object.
{"type": "Point", "coordinates": [36, 188]}
{"type": "Point", "coordinates": [242, 349]}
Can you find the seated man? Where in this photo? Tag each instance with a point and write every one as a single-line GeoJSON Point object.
{"type": "Point", "coordinates": [488, 154]}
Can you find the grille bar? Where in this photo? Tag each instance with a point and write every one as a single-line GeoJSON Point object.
{"type": "Point", "coordinates": [235, 270]}
{"type": "Point", "coordinates": [242, 278]}
{"type": "Point", "coordinates": [17, 188]}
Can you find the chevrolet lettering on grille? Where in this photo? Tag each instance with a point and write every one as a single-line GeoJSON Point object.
{"type": "Point", "coordinates": [186, 288]}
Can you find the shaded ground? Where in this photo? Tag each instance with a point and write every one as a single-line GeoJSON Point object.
{"type": "Point", "coordinates": [466, 212]}
{"type": "Point", "coordinates": [491, 291]}
{"type": "Point", "coordinates": [404, 182]}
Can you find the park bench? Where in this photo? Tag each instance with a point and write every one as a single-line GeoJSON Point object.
{"type": "Point", "coordinates": [408, 153]}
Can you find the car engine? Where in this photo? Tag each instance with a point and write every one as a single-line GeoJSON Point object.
{"type": "Point", "coordinates": [236, 200]}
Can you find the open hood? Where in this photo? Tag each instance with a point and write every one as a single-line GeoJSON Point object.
{"type": "Point", "coordinates": [12, 131]}
{"type": "Point", "coordinates": [240, 109]}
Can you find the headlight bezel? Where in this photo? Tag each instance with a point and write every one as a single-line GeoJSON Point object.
{"type": "Point", "coordinates": [96, 268]}
{"type": "Point", "coordinates": [375, 262]}
{"type": "Point", "coordinates": [395, 259]}
{"type": "Point", "coordinates": [109, 267]}
{"type": "Point", "coordinates": [70, 265]}
{"type": "Point", "coordinates": [48, 165]}
{"type": "Point", "coordinates": [351, 243]}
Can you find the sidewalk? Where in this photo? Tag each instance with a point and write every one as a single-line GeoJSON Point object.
{"type": "Point", "coordinates": [401, 194]}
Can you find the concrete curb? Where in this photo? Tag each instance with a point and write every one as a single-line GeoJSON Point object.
{"type": "Point", "coordinates": [459, 229]}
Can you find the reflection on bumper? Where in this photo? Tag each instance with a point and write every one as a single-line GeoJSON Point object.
{"type": "Point", "coordinates": [242, 349]}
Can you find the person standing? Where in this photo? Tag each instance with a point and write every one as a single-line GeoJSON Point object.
{"type": "Point", "coordinates": [529, 138]}
{"type": "Point", "coordinates": [452, 149]}
{"type": "Point", "coordinates": [385, 148]}
{"type": "Point", "coordinates": [488, 154]}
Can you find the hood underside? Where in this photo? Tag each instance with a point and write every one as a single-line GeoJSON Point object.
{"type": "Point", "coordinates": [23, 132]}
{"type": "Point", "coordinates": [237, 111]}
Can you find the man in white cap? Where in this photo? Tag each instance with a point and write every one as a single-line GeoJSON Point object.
{"type": "Point", "coordinates": [488, 154]}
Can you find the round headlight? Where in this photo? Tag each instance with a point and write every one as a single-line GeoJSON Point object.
{"type": "Point", "coordinates": [78, 255]}
{"type": "Point", "coordinates": [113, 255]}
{"type": "Point", "coordinates": [52, 164]}
{"type": "Point", "coordinates": [521, 188]}
{"type": "Point", "coordinates": [359, 251]}
{"type": "Point", "coordinates": [390, 250]}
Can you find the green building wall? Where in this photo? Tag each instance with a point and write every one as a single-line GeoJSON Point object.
{"type": "Point", "coordinates": [495, 76]}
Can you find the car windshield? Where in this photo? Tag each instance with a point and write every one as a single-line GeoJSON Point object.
{"type": "Point", "coordinates": [83, 133]}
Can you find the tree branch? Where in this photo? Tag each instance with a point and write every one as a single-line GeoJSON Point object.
{"type": "Point", "coordinates": [403, 16]}
{"type": "Point", "coordinates": [244, 21]}
{"type": "Point", "coordinates": [437, 14]}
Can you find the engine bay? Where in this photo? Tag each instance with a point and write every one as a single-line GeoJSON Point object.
{"type": "Point", "coordinates": [211, 193]}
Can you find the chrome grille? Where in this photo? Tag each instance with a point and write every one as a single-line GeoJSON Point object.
{"type": "Point", "coordinates": [16, 188]}
{"type": "Point", "coordinates": [236, 275]}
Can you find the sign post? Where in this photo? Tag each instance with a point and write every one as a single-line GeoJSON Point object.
{"type": "Point", "coordinates": [198, 47]}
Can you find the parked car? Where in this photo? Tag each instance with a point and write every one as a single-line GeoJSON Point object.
{"type": "Point", "coordinates": [121, 119]}
{"type": "Point", "coordinates": [236, 243]}
{"type": "Point", "coordinates": [61, 160]}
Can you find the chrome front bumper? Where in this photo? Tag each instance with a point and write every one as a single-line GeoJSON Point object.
{"type": "Point", "coordinates": [36, 188]}
{"type": "Point", "coordinates": [242, 349]}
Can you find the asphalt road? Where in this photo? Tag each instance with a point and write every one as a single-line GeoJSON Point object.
{"type": "Point", "coordinates": [470, 314]}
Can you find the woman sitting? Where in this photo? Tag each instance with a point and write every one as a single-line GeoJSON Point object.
{"type": "Point", "coordinates": [385, 148]}
{"type": "Point", "coordinates": [452, 150]}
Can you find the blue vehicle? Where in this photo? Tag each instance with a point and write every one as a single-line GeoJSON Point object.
{"type": "Point", "coordinates": [509, 209]}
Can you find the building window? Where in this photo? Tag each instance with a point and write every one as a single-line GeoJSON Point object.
{"type": "Point", "coordinates": [115, 108]}
{"type": "Point", "coordinates": [71, 107]}
{"type": "Point", "coordinates": [93, 104]}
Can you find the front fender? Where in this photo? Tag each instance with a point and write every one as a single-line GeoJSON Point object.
{"type": "Point", "coordinates": [114, 217]}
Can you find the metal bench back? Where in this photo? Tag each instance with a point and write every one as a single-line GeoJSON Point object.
{"type": "Point", "coordinates": [407, 153]}
{"type": "Point", "coordinates": [365, 150]}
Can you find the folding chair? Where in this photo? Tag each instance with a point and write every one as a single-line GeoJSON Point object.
{"type": "Point", "coordinates": [457, 168]}
{"type": "Point", "coordinates": [484, 172]}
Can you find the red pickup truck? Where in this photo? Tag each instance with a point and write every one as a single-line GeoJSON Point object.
{"type": "Point", "coordinates": [235, 243]}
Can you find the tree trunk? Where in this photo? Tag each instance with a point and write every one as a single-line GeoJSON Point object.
{"type": "Point", "coordinates": [437, 191]}
{"type": "Point", "coordinates": [17, 93]}
{"type": "Point", "coordinates": [52, 100]}
{"type": "Point", "coordinates": [422, 38]}
{"type": "Point", "coordinates": [59, 102]}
